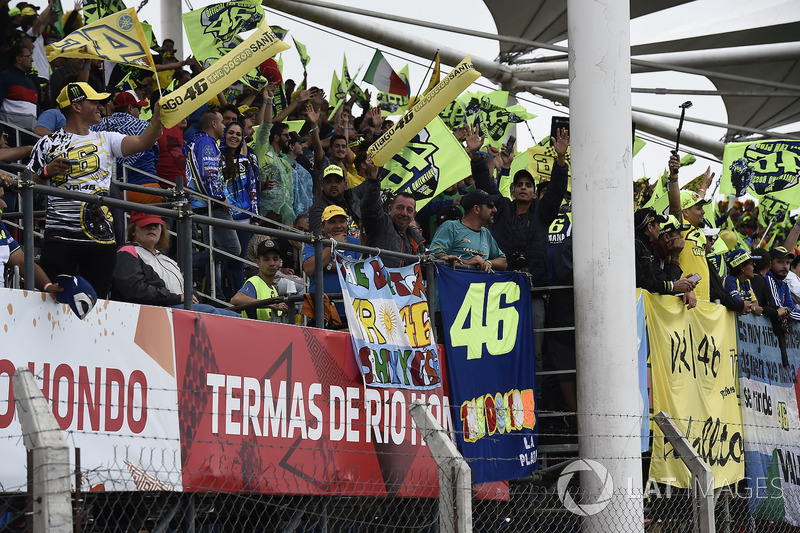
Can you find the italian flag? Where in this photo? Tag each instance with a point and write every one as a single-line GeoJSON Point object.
{"type": "Point", "coordinates": [383, 77]}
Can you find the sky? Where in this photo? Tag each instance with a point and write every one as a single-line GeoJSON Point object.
{"type": "Point", "coordinates": [326, 47]}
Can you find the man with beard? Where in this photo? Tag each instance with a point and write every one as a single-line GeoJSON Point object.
{"type": "Point", "coordinates": [781, 296]}
{"type": "Point", "coordinates": [468, 241]}
{"type": "Point", "coordinates": [79, 237]}
{"type": "Point", "coordinates": [389, 229]}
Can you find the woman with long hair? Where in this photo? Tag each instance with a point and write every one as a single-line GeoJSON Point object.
{"type": "Point", "coordinates": [144, 275]}
{"type": "Point", "coordinates": [241, 188]}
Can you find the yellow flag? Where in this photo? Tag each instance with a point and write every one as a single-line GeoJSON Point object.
{"type": "Point", "coordinates": [423, 112]}
{"type": "Point", "coordinates": [436, 75]}
{"type": "Point", "coordinates": [118, 38]}
{"type": "Point", "coordinates": [257, 48]}
{"type": "Point", "coordinates": [694, 380]}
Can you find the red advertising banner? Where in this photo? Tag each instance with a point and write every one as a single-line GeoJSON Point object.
{"type": "Point", "coordinates": [282, 409]}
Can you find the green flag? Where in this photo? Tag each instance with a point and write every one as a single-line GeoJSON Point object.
{"type": "Point", "coordinates": [490, 113]}
{"type": "Point", "coordinates": [638, 144]}
{"type": "Point", "coordinates": [771, 210]}
{"type": "Point", "coordinates": [214, 30]}
{"type": "Point", "coordinates": [761, 168]}
{"type": "Point", "coordinates": [454, 115]}
{"type": "Point", "coordinates": [94, 10]}
{"type": "Point", "coordinates": [430, 163]}
{"type": "Point", "coordinates": [148, 34]}
{"type": "Point", "coordinates": [301, 49]}
{"type": "Point", "coordinates": [350, 87]}
{"type": "Point", "coordinates": [279, 32]}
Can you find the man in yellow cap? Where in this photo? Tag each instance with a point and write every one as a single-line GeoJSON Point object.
{"type": "Point", "coordinates": [334, 226]}
{"type": "Point", "coordinates": [79, 236]}
{"type": "Point", "coordinates": [335, 192]}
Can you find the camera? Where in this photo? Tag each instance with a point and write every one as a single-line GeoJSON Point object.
{"type": "Point", "coordinates": [519, 260]}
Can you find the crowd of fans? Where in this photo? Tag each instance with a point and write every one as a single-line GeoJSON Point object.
{"type": "Point", "coordinates": [239, 153]}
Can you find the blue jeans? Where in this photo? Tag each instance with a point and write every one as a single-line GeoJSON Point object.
{"type": "Point", "coordinates": [226, 240]}
{"type": "Point", "coordinates": [209, 309]}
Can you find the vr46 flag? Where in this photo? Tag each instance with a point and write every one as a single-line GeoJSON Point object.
{"type": "Point", "coordinates": [214, 30]}
{"type": "Point", "coordinates": [390, 324]}
{"type": "Point", "coordinates": [430, 163]}
{"type": "Point", "coordinates": [489, 342]}
{"type": "Point", "coordinates": [763, 167]}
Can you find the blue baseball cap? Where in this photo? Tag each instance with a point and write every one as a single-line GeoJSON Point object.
{"type": "Point", "coordinates": [78, 294]}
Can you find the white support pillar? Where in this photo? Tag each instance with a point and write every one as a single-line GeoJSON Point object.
{"type": "Point", "coordinates": [609, 412]}
{"type": "Point", "coordinates": [172, 25]}
{"type": "Point", "coordinates": [52, 497]}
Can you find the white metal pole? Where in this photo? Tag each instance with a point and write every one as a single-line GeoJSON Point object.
{"type": "Point", "coordinates": [172, 24]}
{"type": "Point", "coordinates": [609, 413]}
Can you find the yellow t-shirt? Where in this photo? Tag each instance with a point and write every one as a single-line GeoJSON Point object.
{"type": "Point", "coordinates": [693, 260]}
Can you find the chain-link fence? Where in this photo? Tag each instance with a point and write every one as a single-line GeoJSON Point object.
{"type": "Point", "coordinates": [146, 488]}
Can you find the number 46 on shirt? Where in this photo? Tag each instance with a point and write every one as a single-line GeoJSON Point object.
{"type": "Point", "coordinates": [482, 321]}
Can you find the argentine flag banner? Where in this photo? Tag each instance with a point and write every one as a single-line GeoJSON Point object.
{"type": "Point", "coordinates": [387, 313]}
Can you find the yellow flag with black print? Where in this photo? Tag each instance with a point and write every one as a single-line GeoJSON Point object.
{"type": "Point", "coordinates": [694, 381]}
{"type": "Point", "coordinates": [118, 38]}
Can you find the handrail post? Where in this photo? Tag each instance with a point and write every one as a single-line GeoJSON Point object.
{"type": "Point", "coordinates": [430, 290]}
{"type": "Point", "coordinates": [184, 231]}
{"type": "Point", "coordinates": [319, 289]}
{"type": "Point", "coordinates": [26, 184]}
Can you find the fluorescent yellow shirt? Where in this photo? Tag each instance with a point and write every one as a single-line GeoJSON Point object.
{"type": "Point", "coordinates": [693, 260]}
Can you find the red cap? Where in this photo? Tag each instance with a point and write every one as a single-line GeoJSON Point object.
{"type": "Point", "coordinates": [143, 219]}
{"type": "Point", "coordinates": [270, 70]}
{"type": "Point", "coordinates": [125, 99]}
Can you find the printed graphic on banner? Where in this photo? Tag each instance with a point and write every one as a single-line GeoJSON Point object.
{"type": "Point", "coordinates": [94, 10]}
{"type": "Point", "coordinates": [110, 381]}
{"type": "Point", "coordinates": [180, 103]}
{"type": "Point", "coordinates": [763, 167]}
{"type": "Point", "coordinates": [489, 112]}
{"type": "Point", "coordinates": [118, 38]}
{"type": "Point", "coordinates": [770, 420]}
{"type": "Point", "coordinates": [389, 322]}
{"type": "Point", "coordinates": [693, 367]}
{"type": "Point", "coordinates": [490, 350]}
{"type": "Point", "coordinates": [430, 163]}
{"type": "Point", "coordinates": [214, 30]}
{"type": "Point", "coordinates": [291, 416]}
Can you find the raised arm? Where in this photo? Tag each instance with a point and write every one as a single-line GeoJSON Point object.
{"type": "Point", "coordinates": [133, 144]}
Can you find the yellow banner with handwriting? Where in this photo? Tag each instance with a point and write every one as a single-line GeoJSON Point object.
{"type": "Point", "coordinates": [694, 380]}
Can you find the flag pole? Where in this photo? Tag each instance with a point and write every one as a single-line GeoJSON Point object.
{"type": "Point", "coordinates": [430, 66]}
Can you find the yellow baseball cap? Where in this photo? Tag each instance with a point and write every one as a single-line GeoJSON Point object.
{"type": "Point", "coordinates": [333, 211]}
{"type": "Point", "coordinates": [333, 170]}
{"type": "Point", "coordinates": [78, 92]}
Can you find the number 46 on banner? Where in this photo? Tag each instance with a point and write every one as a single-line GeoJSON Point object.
{"type": "Point", "coordinates": [481, 319]}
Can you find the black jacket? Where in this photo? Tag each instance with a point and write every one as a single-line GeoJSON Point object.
{"type": "Point", "coordinates": [650, 274]}
{"type": "Point", "coordinates": [350, 202]}
{"type": "Point", "coordinates": [526, 233]}
{"type": "Point", "coordinates": [135, 281]}
{"type": "Point", "coordinates": [380, 229]}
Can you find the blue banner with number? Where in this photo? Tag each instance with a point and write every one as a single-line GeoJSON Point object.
{"type": "Point", "coordinates": [490, 352]}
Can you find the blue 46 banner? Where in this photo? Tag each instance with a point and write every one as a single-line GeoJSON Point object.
{"type": "Point", "coordinates": [490, 352]}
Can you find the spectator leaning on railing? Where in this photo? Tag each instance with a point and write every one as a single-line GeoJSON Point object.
{"type": "Point", "coordinates": [79, 236]}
